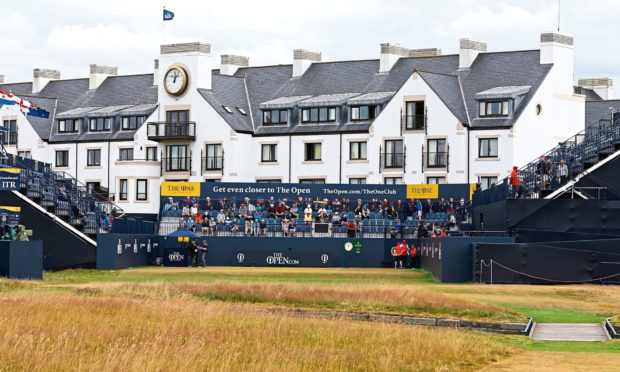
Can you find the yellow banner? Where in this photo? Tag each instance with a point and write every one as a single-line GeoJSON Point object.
{"type": "Point", "coordinates": [12, 209]}
{"type": "Point", "coordinates": [10, 170]}
{"type": "Point", "coordinates": [422, 191]}
{"type": "Point", "coordinates": [180, 189]}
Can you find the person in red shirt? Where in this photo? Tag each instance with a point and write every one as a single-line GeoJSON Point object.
{"type": "Point", "coordinates": [351, 229]}
{"type": "Point", "coordinates": [403, 254]}
{"type": "Point", "coordinates": [514, 181]}
{"type": "Point", "coordinates": [397, 255]}
{"type": "Point", "coordinates": [413, 253]}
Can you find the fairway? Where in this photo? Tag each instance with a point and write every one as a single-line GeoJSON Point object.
{"type": "Point", "coordinates": [197, 318]}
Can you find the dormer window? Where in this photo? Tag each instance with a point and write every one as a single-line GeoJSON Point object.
{"type": "Point", "coordinates": [132, 122]}
{"type": "Point", "coordinates": [275, 117]}
{"type": "Point", "coordinates": [100, 124]}
{"type": "Point", "coordinates": [68, 125]}
{"type": "Point", "coordinates": [493, 108]}
{"type": "Point", "coordinates": [318, 115]}
{"type": "Point", "coordinates": [360, 113]}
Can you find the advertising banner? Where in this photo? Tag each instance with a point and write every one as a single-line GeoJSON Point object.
{"type": "Point", "coordinates": [9, 178]}
{"type": "Point", "coordinates": [9, 215]}
{"type": "Point", "coordinates": [282, 259]}
{"type": "Point", "coordinates": [176, 257]}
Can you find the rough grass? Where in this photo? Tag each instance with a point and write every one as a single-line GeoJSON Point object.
{"type": "Point", "coordinates": [86, 330]}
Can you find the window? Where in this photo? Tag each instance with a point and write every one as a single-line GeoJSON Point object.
{"type": "Point", "coordinates": [93, 158]}
{"type": "Point", "coordinates": [125, 154]}
{"type": "Point", "coordinates": [242, 111]}
{"type": "Point", "coordinates": [318, 115]}
{"type": "Point", "coordinates": [212, 180]}
{"type": "Point", "coordinates": [132, 122]}
{"type": "Point", "coordinates": [269, 181]}
{"type": "Point", "coordinates": [93, 187]}
{"type": "Point", "coordinates": [141, 189]}
{"type": "Point", "coordinates": [269, 153]}
{"type": "Point", "coordinates": [122, 194]}
{"type": "Point", "coordinates": [313, 152]}
{"type": "Point", "coordinates": [357, 151]}
{"type": "Point", "coordinates": [62, 158]}
{"type": "Point", "coordinates": [10, 138]}
{"type": "Point", "coordinates": [214, 158]}
{"type": "Point", "coordinates": [494, 108]}
{"type": "Point", "coordinates": [24, 154]}
{"type": "Point", "coordinates": [177, 158]}
{"type": "Point", "coordinates": [100, 124]}
{"type": "Point", "coordinates": [275, 117]}
{"type": "Point", "coordinates": [393, 180]}
{"type": "Point", "coordinates": [415, 115]}
{"type": "Point", "coordinates": [487, 147]}
{"type": "Point", "coordinates": [359, 113]}
{"type": "Point", "coordinates": [435, 180]}
{"type": "Point", "coordinates": [228, 110]}
{"type": "Point", "coordinates": [437, 154]}
{"type": "Point", "coordinates": [393, 157]}
{"type": "Point", "coordinates": [151, 153]}
{"type": "Point", "coordinates": [312, 180]}
{"type": "Point", "coordinates": [68, 125]}
{"type": "Point", "coordinates": [177, 117]}
{"type": "Point", "coordinates": [538, 109]}
{"type": "Point", "coordinates": [357, 181]}
{"type": "Point", "coordinates": [486, 182]}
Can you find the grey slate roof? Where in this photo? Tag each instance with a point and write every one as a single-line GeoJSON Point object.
{"type": "Point", "coordinates": [590, 94]}
{"type": "Point", "coordinates": [327, 100]}
{"type": "Point", "coordinates": [17, 88]}
{"type": "Point", "coordinates": [597, 110]}
{"type": "Point", "coordinates": [273, 86]}
{"type": "Point", "coordinates": [504, 92]}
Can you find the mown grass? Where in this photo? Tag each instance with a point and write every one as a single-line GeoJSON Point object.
{"type": "Point", "coordinates": [526, 343]}
{"type": "Point", "coordinates": [91, 331]}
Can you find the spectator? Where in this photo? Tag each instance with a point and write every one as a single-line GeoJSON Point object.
{"type": "Point", "coordinates": [292, 228]}
{"type": "Point", "coordinates": [514, 182]}
{"type": "Point", "coordinates": [191, 224]}
{"type": "Point", "coordinates": [396, 230]}
{"type": "Point", "coordinates": [294, 211]}
{"type": "Point", "coordinates": [418, 206]}
{"type": "Point", "coordinates": [365, 212]}
{"type": "Point", "coordinates": [204, 227]}
{"type": "Point", "coordinates": [221, 217]}
{"type": "Point", "coordinates": [243, 211]}
{"type": "Point", "coordinates": [248, 227]}
{"type": "Point", "coordinates": [212, 226]}
{"type": "Point", "coordinates": [308, 215]}
{"type": "Point", "coordinates": [263, 227]}
{"type": "Point", "coordinates": [351, 229]}
{"type": "Point", "coordinates": [182, 223]}
{"type": "Point", "coordinates": [452, 222]}
{"type": "Point", "coordinates": [185, 212]}
{"type": "Point", "coordinates": [284, 227]}
{"type": "Point", "coordinates": [234, 227]}
{"type": "Point", "coordinates": [198, 219]}
{"type": "Point", "coordinates": [194, 210]}
{"type": "Point", "coordinates": [204, 248]}
{"type": "Point", "coordinates": [256, 227]}
{"type": "Point", "coordinates": [358, 210]}
{"type": "Point", "coordinates": [413, 252]}
{"type": "Point", "coordinates": [321, 214]}
{"type": "Point", "coordinates": [563, 171]}
{"type": "Point", "coordinates": [336, 219]}
{"type": "Point", "coordinates": [192, 251]}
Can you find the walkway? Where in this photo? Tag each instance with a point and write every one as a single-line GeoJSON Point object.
{"type": "Point", "coordinates": [569, 332]}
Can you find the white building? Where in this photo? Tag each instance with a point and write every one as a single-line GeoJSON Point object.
{"type": "Point", "coordinates": [410, 116]}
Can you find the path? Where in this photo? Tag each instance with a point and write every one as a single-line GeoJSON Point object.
{"type": "Point", "coordinates": [569, 332]}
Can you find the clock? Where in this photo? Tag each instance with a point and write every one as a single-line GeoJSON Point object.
{"type": "Point", "coordinates": [348, 246]}
{"type": "Point", "coordinates": [175, 80]}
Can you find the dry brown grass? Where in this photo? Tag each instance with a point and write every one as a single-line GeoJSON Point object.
{"type": "Point", "coordinates": [80, 331]}
{"type": "Point", "coordinates": [539, 361]}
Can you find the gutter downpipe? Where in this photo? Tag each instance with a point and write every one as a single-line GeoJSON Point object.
{"type": "Point", "coordinates": [340, 162]}
{"type": "Point", "coordinates": [290, 151]}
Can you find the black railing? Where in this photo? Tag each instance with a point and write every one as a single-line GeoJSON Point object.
{"type": "Point", "coordinates": [392, 160]}
{"type": "Point", "coordinates": [176, 164]}
{"type": "Point", "coordinates": [435, 159]}
{"type": "Point", "coordinates": [212, 163]}
{"type": "Point", "coordinates": [10, 138]}
{"type": "Point", "coordinates": [414, 122]}
{"type": "Point", "coordinates": [171, 130]}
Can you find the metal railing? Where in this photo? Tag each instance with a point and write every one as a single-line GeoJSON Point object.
{"type": "Point", "coordinates": [176, 164]}
{"type": "Point", "coordinates": [171, 130]}
{"type": "Point", "coordinates": [435, 159]}
{"type": "Point", "coordinates": [413, 122]}
{"type": "Point", "coordinates": [540, 178]}
{"type": "Point", "coordinates": [212, 163]}
{"type": "Point", "coordinates": [392, 160]}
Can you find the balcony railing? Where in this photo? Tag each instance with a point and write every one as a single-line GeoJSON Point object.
{"type": "Point", "coordinates": [9, 138]}
{"type": "Point", "coordinates": [212, 163]}
{"type": "Point", "coordinates": [413, 122]}
{"type": "Point", "coordinates": [435, 159]}
{"type": "Point", "coordinates": [392, 160]}
{"type": "Point", "coordinates": [166, 130]}
{"type": "Point", "coordinates": [176, 164]}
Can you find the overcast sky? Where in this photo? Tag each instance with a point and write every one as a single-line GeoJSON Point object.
{"type": "Point", "coordinates": [69, 35]}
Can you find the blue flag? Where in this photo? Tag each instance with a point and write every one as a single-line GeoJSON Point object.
{"type": "Point", "coordinates": [38, 112]}
{"type": "Point", "coordinates": [168, 15]}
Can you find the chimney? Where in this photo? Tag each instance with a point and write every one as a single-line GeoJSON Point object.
{"type": "Point", "coordinates": [390, 53]}
{"type": "Point", "coordinates": [468, 52]}
{"type": "Point", "coordinates": [1, 79]}
{"type": "Point", "coordinates": [98, 73]}
{"type": "Point", "coordinates": [155, 71]}
{"type": "Point", "coordinates": [428, 52]}
{"type": "Point", "coordinates": [302, 59]}
{"type": "Point", "coordinates": [557, 49]}
{"type": "Point", "coordinates": [230, 63]}
{"type": "Point", "coordinates": [42, 76]}
{"type": "Point", "coordinates": [603, 86]}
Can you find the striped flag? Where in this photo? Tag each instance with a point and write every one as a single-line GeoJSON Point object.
{"type": "Point", "coordinates": [6, 99]}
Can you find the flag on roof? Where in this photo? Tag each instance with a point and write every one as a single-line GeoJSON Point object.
{"type": "Point", "coordinates": [168, 15]}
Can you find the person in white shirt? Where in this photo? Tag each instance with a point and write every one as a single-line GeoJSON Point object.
{"type": "Point", "coordinates": [221, 217]}
{"type": "Point", "coordinates": [308, 215]}
{"type": "Point", "coordinates": [194, 210]}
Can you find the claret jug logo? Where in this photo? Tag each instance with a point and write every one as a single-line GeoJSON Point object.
{"type": "Point", "coordinates": [324, 258]}
{"type": "Point", "coordinates": [240, 257]}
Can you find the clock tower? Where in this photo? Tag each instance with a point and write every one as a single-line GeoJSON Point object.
{"type": "Point", "coordinates": [184, 68]}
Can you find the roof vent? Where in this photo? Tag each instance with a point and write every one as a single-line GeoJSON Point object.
{"type": "Point", "coordinates": [98, 73]}
{"type": "Point", "coordinates": [230, 63]}
{"type": "Point", "coordinates": [42, 76]}
{"type": "Point", "coordinates": [390, 53]}
{"type": "Point", "coordinates": [469, 50]}
{"type": "Point", "coordinates": [302, 59]}
{"type": "Point", "coordinates": [428, 52]}
{"type": "Point", "coordinates": [603, 86]}
{"type": "Point", "coordinates": [155, 71]}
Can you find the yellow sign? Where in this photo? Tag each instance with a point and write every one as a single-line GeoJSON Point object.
{"type": "Point", "coordinates": [422, 191]}
{"type": "Point", "coordinates": [180, 189]}
{"type": "Point", "coordinates": [472, 188]}
{"type": "Point", "coordinates": [10, 170]}
{"type": "Point", "coordinates": [12, 209]}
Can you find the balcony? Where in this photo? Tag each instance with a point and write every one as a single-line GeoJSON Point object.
{"type": "Point", "coordinates": [176, 164]}
{"type": "Point", "coordinates": [162, 130]}
{"type": "Point", "coordinates": [413, 122]}
{"type": "Point", "coordinates": [212, 163]}
{"type": "Point", "coordinates": [392, 161]}
{"type": "Point", "coordinates": [435, 160]}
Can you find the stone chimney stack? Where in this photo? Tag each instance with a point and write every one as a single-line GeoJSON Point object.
{"type": "Point", "coordinates": [98, 73]}
{"type": "Point", "coordinates": [428, 52]}
{"type": "Point", "coordinates": [390, 53]}
{"type": "Point", "coordinates": [42, 76]}
{"type": "Point", "coordinates": [468, 51]}
{"type": "Point", "coordinates": [557, 49]}
{"type": "Point", "coordinates": [302, 59]}
{"type": "Point", "coordinates": [603, 86]}
{"type": "Point", "coordinates": [155, 71]}
{"type": "Point", "coordinates": [231, 63]}
{"type": "Point", "coordinates": [1, 79]}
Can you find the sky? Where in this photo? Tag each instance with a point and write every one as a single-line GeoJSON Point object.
{"type": "Point", "coordinates": [70, 35]}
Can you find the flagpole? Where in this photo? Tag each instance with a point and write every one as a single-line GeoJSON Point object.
{"type": "Point", "coordinates": [163, 25]}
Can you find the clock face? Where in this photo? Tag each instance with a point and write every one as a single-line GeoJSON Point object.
{"type": "Point", "coordinates": [175, 80]}
{"type": "Point", "coordinates": [348, 246]}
